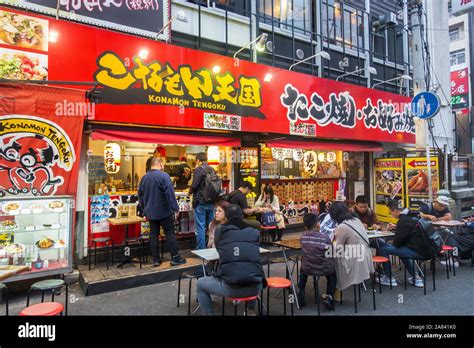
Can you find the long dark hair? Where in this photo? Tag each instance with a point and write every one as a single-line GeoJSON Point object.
{"type": "Point", "coordinates": [339, 212]}
{"type": "Point", "coordinates": [223, 204]}
{"type": "Point", "coordinates": [269, 191]}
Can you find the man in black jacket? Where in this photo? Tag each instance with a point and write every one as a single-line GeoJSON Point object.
{"type": "Point", "coordinates": [409, 243]}
{"type": "Point", "coordinates": [240, 272]}
{"type": "Point", "coordinates": [203, 211]}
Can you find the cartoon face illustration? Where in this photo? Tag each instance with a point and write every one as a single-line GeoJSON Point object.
{"type": "Point", "coordinates": [26, 165]}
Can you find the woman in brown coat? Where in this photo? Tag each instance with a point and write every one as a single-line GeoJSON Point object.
{"type": "Point", "coordinates": [351, 248]}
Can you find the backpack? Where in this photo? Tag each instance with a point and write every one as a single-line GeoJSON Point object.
{"type": "Point", "coordinates": [227, 196]}
{"type": "Point", "coordinates": [212, 186]}
{"type": "Point", "coordinates": [432, 236]}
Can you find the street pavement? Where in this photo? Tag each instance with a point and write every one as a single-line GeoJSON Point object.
{"type": "Point", "coordinates": [453, 296]}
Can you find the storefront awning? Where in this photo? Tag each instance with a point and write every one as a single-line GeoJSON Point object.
{"type": "Point", "coordinates": [321, 145]}
{"type": "Point", "coordinates": [164, 138]}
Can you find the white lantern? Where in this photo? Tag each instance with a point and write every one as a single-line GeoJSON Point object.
{"type": "Point", "coordinates": [331, 157]}
{"type": "Point", "coordinates": [322, 157]}
{"type": "Point", "coordinates": [213, 155]}
{"type": "Point", "coordinates": [298, 155]}
{"type": "Point", "coordinates": [310, 162]}
{"type": "Point", "coordinates": [112, 158]}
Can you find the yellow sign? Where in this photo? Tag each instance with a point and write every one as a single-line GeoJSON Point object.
{"type": "Point", "coordinates": [388, 186]}
{"type": "Point", "coordinates": [418, 184]}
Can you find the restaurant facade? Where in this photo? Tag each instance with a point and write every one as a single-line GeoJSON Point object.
{"type": "Point", "coordinates": [311, 138]}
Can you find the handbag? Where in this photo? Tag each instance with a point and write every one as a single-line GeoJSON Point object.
{"type": "Point", "coordinates": [269, 219]}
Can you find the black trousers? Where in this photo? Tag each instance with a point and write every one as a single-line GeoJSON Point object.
{"type": "Point", "coordinates": [331, 283]}
{"type": "Point", "coordinates": [168, 226]}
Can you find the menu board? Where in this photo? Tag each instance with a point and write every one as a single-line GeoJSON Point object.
{"type": "Point", "coordinates": [388, 185]}
{"type": "Point", "coordinates": [418, 184]}
{"type": "Point", "coordinates": [249, 171]}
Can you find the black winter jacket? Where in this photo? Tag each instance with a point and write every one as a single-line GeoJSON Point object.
{"type": "Point", "coordinates": [239, 254]}
{"type": "Point", "coordinates": [407, 234]}
{"type": "Point", "coordinates": [314, 246]}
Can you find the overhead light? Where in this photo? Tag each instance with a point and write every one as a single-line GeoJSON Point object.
{"type": "Point", "coordinates": [268, 77]}
{"type": "Point", "coordinates": [53, 36]}
{"type": "Point", "coordinates": [143, 54]}
{"type": "Point", "coordinates": [371, 70]}
{"type": "Point", "coordinates": [260, 45]}
{"type": "Point", "coordinates": [270, 46]}
{"type": "Point", "coordinates": [322, 54]}
{"type": "Point", "coordinates": [259, 42]}
{"type": "Point", "coordinates": [216, 69]}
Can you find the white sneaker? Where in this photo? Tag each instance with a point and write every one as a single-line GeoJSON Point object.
{"type": "Point", "coordinates": [456, 263]}
{"type": "Point", "coordinates": [418, 281]}
{"type": "Point", "coordinates": [385, 280]}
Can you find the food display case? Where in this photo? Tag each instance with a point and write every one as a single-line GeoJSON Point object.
{"type": "Point", "coordinates": [36, 232]}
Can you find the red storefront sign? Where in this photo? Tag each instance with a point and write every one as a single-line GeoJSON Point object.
{"type": "Point", "coordinates": [40, 147]}
{"type": "Point", "coordinates": [460, 82]}
{"type": "Point", "coordinates": [152, 83]}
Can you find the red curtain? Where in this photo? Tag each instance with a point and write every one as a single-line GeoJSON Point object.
{"type": "Point", "coordinates": [161, 138]}
{"type": "Point", "coordinates": [321, 145]}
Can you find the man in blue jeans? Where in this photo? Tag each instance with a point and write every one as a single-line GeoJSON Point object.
{"type": "Point", "coordinates": [409, 243]}
{"type": "Point", "coordinates": [203, 212]}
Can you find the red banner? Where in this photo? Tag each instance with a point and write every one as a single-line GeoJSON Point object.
{"type": "Point", "coordinates": [460, 82]}
{"type": "Point", "coordinates": [40, 140]}
{"type": "Point", "coordinates": [153, 83]}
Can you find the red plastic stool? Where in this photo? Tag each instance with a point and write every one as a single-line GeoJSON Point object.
{"type": "Point", "coordinates": [380, 260]}
{"type": "Point", "coordinates": [279, 283]}
{"type": "Point", "coordinates": [44, 309]}
{"type": "Point", "coordinates": [447, 250]}
{"type": "Point", "coordinates": [237, 300]}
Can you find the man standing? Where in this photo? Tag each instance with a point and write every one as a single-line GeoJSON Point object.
{"type": "Point", "coordinates": [156, 196]}
{"type": "Point", "coordinates": [203, 210]}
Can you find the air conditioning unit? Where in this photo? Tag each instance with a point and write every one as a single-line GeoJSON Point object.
{"type": "Point", "coordinates": [386, 20]}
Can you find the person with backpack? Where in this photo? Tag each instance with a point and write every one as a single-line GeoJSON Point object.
{"type": "Point", "coordinates": [409, 242]}
{"type": "Point", "coordinates": [205, 188]}
{"type": "Point", "coordinates": [315, 261]}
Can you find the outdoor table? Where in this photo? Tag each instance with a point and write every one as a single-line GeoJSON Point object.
{"type": "Point", "coordinates": [125, 222]}
{"type": "Point", "coordinates": [11, 271]}
{"type": "Point", "coordinates": [450, 225]}
{"type": "Point", "coordinates": [292, 244]}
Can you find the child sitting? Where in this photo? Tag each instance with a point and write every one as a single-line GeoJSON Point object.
{"type": "Point", "coordinates": [316, 260]}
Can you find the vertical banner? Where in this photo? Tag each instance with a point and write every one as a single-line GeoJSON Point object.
{"type": "Point", "coordinates": [418, 185]}
{"type": "Point", "coordinates": [248, 170]}
{"type": "Point", "coordinates": [389, 185]}
{"type": "Point", "coordinates": [40, 140]}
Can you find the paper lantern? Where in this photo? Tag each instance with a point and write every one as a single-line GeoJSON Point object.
{"type": "Point", "coordinates": [322, 157]}
{"type": "Point", "coordinates": [331, 157]}
{"type": "Point", "coordinates": [112, 158]}
{"type": "Point", "coordinates": [213, 155]}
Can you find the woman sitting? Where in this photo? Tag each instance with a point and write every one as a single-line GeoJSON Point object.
{"type": "Point", "coordinates": [351, 248]}
{"type": "Point", "coordinates": [270, 203]}
{"type": "Point", "coordinates": [219, 219]}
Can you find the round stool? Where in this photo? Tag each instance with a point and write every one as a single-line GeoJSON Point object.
{"type": "Point", "coordinates": [237, 300]}
{"type": "Point", "coordinates": [94, 242]}
{"type": "Point", "coordinates": [279, 283]}
{"type": "Point", "coordinates": [48, 285]}
{"type": "Point", "coordinates": [4, 290]}
{"type": "Point", "coordinates": [447, 251]}
{"type": "Point", "coordinates": [45, 309]}
{"type": "Point", "coordinates": [187, 275]}
{"type": "Point", "coordinates": [378, 260]}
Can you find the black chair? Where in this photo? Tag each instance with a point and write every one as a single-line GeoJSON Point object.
{"type": "Point", "coordinates": [93, 243]}
{"type": "Point", "coordinates": [52, 285]}
{"type": "Point", "coordinates": [4, 290]}
{"type": "Point", "coordinates": [416, 264]}
{"type": "Point", "coordinates": [187, 275]}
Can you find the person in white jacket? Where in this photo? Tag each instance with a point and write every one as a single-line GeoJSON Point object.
{"type": "Point", "coordinates": [270, 203]}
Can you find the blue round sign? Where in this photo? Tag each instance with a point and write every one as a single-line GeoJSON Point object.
{"type": "Point", "coordinates": [425, 105]}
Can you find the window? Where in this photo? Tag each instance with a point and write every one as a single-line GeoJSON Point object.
{"type": "Point", "coordinates": [342, 25]}
{"type": "Point", "coordinates": [241, 7]}
{"type": "Point", "coordinates": [458, 57]}
{"type": "Point", "coordinates": [286, 13]}
{"type": "Point", "coordinates": [453, 34]}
